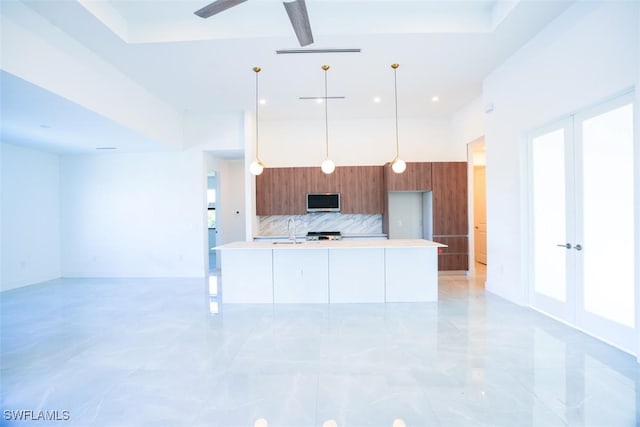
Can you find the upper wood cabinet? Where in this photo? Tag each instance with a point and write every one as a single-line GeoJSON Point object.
{"type": "Point", "coordinates": [361, 189]}
{"type": "Point", "coordinates": [417, 177]}
{"type": "Point", "coordinates": [320, 182]}
{"type": "Point", "coordinates": [282, 191]}
{"type": "Point", "coordinates": [450, 211]}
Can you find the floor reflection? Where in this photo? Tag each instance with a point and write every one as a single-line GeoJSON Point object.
{"type": "Point", "coordinates": [146, 352]}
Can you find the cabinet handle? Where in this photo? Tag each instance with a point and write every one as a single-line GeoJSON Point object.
{"type": "Point", "coordinates": [565, 245]}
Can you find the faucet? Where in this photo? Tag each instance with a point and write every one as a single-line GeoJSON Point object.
{"type": "Point", "coordinates": [292, 236]}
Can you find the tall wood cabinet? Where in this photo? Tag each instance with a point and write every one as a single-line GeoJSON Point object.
{"type": "Point", "coordinates": [450, 214]}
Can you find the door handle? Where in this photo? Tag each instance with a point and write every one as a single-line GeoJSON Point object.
{"type": "Point", "coordinates": [566, 245]}
{"type": "Point", "coordinates": [578, 247]}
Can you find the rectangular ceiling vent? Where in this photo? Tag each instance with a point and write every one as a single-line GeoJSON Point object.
{"type": "Point", "coordinates": [290, 51]}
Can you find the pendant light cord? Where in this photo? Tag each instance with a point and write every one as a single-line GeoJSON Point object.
{"type": "Point", "coordinates": [257, 70]}
{"type": "Point", "coordinates": [326, 114]}
{"type": "Point", "coordinates": [395, 88]}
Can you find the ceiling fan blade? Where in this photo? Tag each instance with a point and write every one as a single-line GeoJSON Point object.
{"type": "Point", "coordinates": [297, 11]}
{"type": "Point", "coordinates": [217, 7]}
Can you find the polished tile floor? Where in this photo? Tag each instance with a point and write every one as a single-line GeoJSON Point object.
{"type": "Point", "coordinates": [124, 352]}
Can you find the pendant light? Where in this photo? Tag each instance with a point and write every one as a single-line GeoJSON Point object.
{"type": "Point", "coordinates": [256, 167]}
{"type": "Point", "coordinates": [398, 165]}
{"type": "Point", "coordinates": [327, 166]}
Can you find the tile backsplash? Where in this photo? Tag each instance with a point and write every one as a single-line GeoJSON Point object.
{"type": "Point", "coordinates": [276, 225]}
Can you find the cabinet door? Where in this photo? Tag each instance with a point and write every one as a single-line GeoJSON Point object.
{"type": "Point", "coordinates": [450, 216]}
{"type": "Point", "coordinates": [281, 191]}
{"type": "Point", "coordinates": [320, 182]}
{"type": "Point", "coordinates": [456, 255]}
{"type": "Point", "coordinates": [417, 177]}
{"type": "Point", "coordinates": [450, 223]}
{"type": "Point", "coordinates": [361, 189]}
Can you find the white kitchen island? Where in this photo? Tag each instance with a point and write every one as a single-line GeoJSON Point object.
{"type": "Point", "coordinates": [344, 271]}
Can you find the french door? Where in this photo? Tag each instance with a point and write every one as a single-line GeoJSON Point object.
{"type": "Point", "coordinates": [582, 221]}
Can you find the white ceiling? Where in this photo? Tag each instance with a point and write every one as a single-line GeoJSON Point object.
{"type": "Point", "coordinates": [196, 65]}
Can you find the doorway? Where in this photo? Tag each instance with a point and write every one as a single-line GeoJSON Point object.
{"type": "Point", "coordinates": [582, 221]}
{"type": "Point", "coordinates": [477, 172]}
{"type": "Point", "coordinates": [212, 191]}
{"type": "Point", "coordinates": [480, 214]}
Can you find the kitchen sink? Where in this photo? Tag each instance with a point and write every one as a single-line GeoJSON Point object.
{"type": "Point", "coordinates": [288, 242]}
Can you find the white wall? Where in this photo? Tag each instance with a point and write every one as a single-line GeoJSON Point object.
{"type": "Point", "coordinates": [133, 215]}
{"type": "Point", "coordinates": [468, 123]}
{"type": "Point", "coordinates": [357, 141]}
{"type": "Point", "coordinates": [586, 55]}
{"type": "Point", "coordinates": [30, 217]}
{"type": "Point", "coordinates": [37, 51]}
{"type": "Point", "coordinates": [219, 132]}
{"type": "Point", "coordinates": [1, 223]}
{"type": "Point", "coordinates": [637, 183]}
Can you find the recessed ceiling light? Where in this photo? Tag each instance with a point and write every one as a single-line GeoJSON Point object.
{"type": "Point", "coordinates": [318, 100]}
{"type": "Point", "coordinates": [263, 101]}
{"type": "Point", "coordinates": [435, 98]}
{"type": "Point", "coordinates": [377, 99]}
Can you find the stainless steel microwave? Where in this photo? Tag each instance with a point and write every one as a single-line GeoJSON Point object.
{"type": "Point", "coordinates": [323, 202]}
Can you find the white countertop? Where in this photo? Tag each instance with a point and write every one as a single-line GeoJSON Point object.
{"type": "Point", "coordinates": [335, 244]}
{"type": "Point", "coordinates": [344, 236]}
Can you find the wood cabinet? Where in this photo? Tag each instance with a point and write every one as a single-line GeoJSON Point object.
{"type": "Point", "coordinates": [320, 182]}
{"type": "Point", "coordinates": [417, 177]}
{"type": "Point", "coordinates": [450, 214]}
{"type": "Point", "coordinates": [282, 191]}
{"type": "Point", "coordinates": [361, 189]}
{"type": "Point", "coordinates": [456, 255]}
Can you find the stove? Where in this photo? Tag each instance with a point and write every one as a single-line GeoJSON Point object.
{"type": "Point", "coordinates": [324, 235]}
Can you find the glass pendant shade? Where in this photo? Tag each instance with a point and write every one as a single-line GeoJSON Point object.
{"type": "Point", "coordinates": [328, 166]}
{"type": "Point", "coordinates": [256, 167]}
{"type": "Point", "coordinates": [398, 166]}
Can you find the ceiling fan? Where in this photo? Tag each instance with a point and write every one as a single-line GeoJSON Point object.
{"type": "Point", "coordinates": [297, 11]}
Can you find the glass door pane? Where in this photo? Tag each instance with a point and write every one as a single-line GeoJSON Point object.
{"type": "Point", "coordinates": [549, 215]}
{"type": "Point", "coordinates": [608, 215]}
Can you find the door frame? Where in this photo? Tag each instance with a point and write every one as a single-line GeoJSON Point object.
{"type": "Point", "coordinates": [578, 319]}
{"type": "Point", "coordinates": [471, 148]}
{"type": "Point", "coordinates": [564, 312]}
{"type": "Point", "coordinates": [586, 321]}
